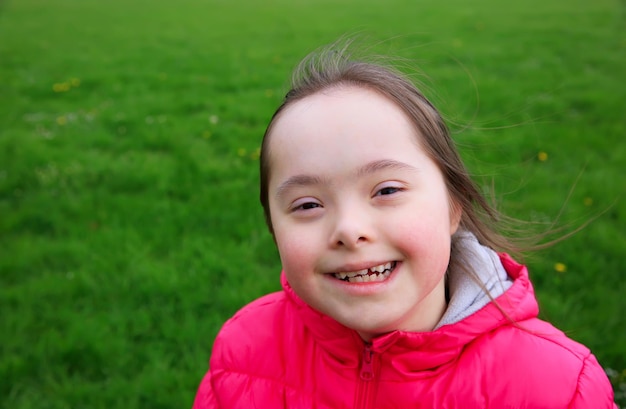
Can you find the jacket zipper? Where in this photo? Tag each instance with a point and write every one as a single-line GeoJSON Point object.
{"type": "Point", "coordinates": [366, 378]}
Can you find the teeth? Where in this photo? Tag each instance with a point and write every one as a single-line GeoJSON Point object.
{"type": "Point", "coordinates": [376, 273]}
{"type": "Point", "coordinates": [357, 273]}
{"type": "Point", "coordinates": [381, 268]}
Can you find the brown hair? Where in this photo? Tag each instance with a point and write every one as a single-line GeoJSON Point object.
{"type": "Point", "coordinates": [332, 67]}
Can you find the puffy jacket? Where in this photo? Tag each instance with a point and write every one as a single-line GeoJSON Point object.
{"type": "Point", "coordinates": [277, 352]}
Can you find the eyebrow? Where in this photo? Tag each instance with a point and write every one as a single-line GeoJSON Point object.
{"type": "Point", "coordinates": [384, 164]}
{"type": "Point", "coordinates": [298, 181]}
{"type": "Point", "coordinates": [367, 169]}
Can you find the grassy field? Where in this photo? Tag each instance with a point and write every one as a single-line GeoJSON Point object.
{"type": "Point", "coordinates": [130, 228]}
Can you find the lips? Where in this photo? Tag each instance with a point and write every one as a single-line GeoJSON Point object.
{"type": "Point", "coordinates": [368, 275]}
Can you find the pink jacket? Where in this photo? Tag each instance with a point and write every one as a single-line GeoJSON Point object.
{"type": "Point", "coordinates": [279, 353]}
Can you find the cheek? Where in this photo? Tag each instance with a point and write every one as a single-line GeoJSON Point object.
{"type": "Point", "coordinates": [298, 262]}
{"type": "Point", "coordinates": [427, 239]}
{"type": "Point", "coordinates": [295, 254]}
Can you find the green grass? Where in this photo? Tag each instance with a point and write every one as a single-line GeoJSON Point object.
{"type": "Point", "coordinates": [129, 222]}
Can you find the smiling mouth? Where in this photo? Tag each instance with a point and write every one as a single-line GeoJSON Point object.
{"type": "Point", "coordinates": [368, 275]}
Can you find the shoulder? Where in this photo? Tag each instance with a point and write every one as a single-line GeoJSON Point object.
{"type": "Point", "coordinates": [254, 339]}
{"type": "Point", "coordinates": [254, 325]}
{"type": "Point", "coordinates": [534, 362]}
{"type": "Point", "coordinates": [252, 353]}
{"type": "Point", "coordinates": [534, 338]}
{"type": "Point", "coordinates": [263, 307]}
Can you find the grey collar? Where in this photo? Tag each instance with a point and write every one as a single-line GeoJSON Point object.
{"type": "Point", "coordinates": [467, 296]}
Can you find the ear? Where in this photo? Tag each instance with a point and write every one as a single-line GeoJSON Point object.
{"type": "Point", "coordinates": [456, 212]}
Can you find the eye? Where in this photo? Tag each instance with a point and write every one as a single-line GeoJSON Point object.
{"type": "Point", "coordinates": [388, 190]}
{"type": "Point", "coordinates": [307, 206]}
{"type": "Point", "coordinates": [303, 205]}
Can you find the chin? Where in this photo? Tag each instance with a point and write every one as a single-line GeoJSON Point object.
{"type": "Point", "coordinates": [368, 330]}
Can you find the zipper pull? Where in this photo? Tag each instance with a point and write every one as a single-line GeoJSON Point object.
{"type": "Point", "coordinates": [367, 368]}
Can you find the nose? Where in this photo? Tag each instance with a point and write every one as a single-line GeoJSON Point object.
{"type": "Point", "coordinates": [352, 228]}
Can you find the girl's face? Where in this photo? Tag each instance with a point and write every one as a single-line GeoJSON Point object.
{"type": "Point", "coordinates": [361, 214]}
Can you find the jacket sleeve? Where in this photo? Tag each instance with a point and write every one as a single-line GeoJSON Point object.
{"type": "Point", "coordinates": [594, 389]}
{"type": "Point", "coordinates": [205, 399]}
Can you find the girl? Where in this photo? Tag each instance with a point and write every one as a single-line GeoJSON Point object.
{"type": "Point", "coordinates": [393, 295]}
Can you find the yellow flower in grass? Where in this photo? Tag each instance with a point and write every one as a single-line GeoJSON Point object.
{"type": "Point", "coordinates": [61, 87]}
{"type": "Point", "coordinates": [61, 120]}
{"type": "Point", "coordinates": [542, 156]}
{"type": "Point", "coordinates": [587, 201]}
{"type": "Point", "coordinates": [560, 267]}
{"type": "Point", "coordinates": [255, 154]}
{"type": "Point", "coordinates": [241, 152]}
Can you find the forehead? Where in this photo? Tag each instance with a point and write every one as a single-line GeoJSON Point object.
{"type": "Point", "coordinates": [342, 100]}
{"type": "Point", "coordinates": [340, 121]}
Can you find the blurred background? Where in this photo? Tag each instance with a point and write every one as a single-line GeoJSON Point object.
{"type": "Point", "coordinates": [130, 228]}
